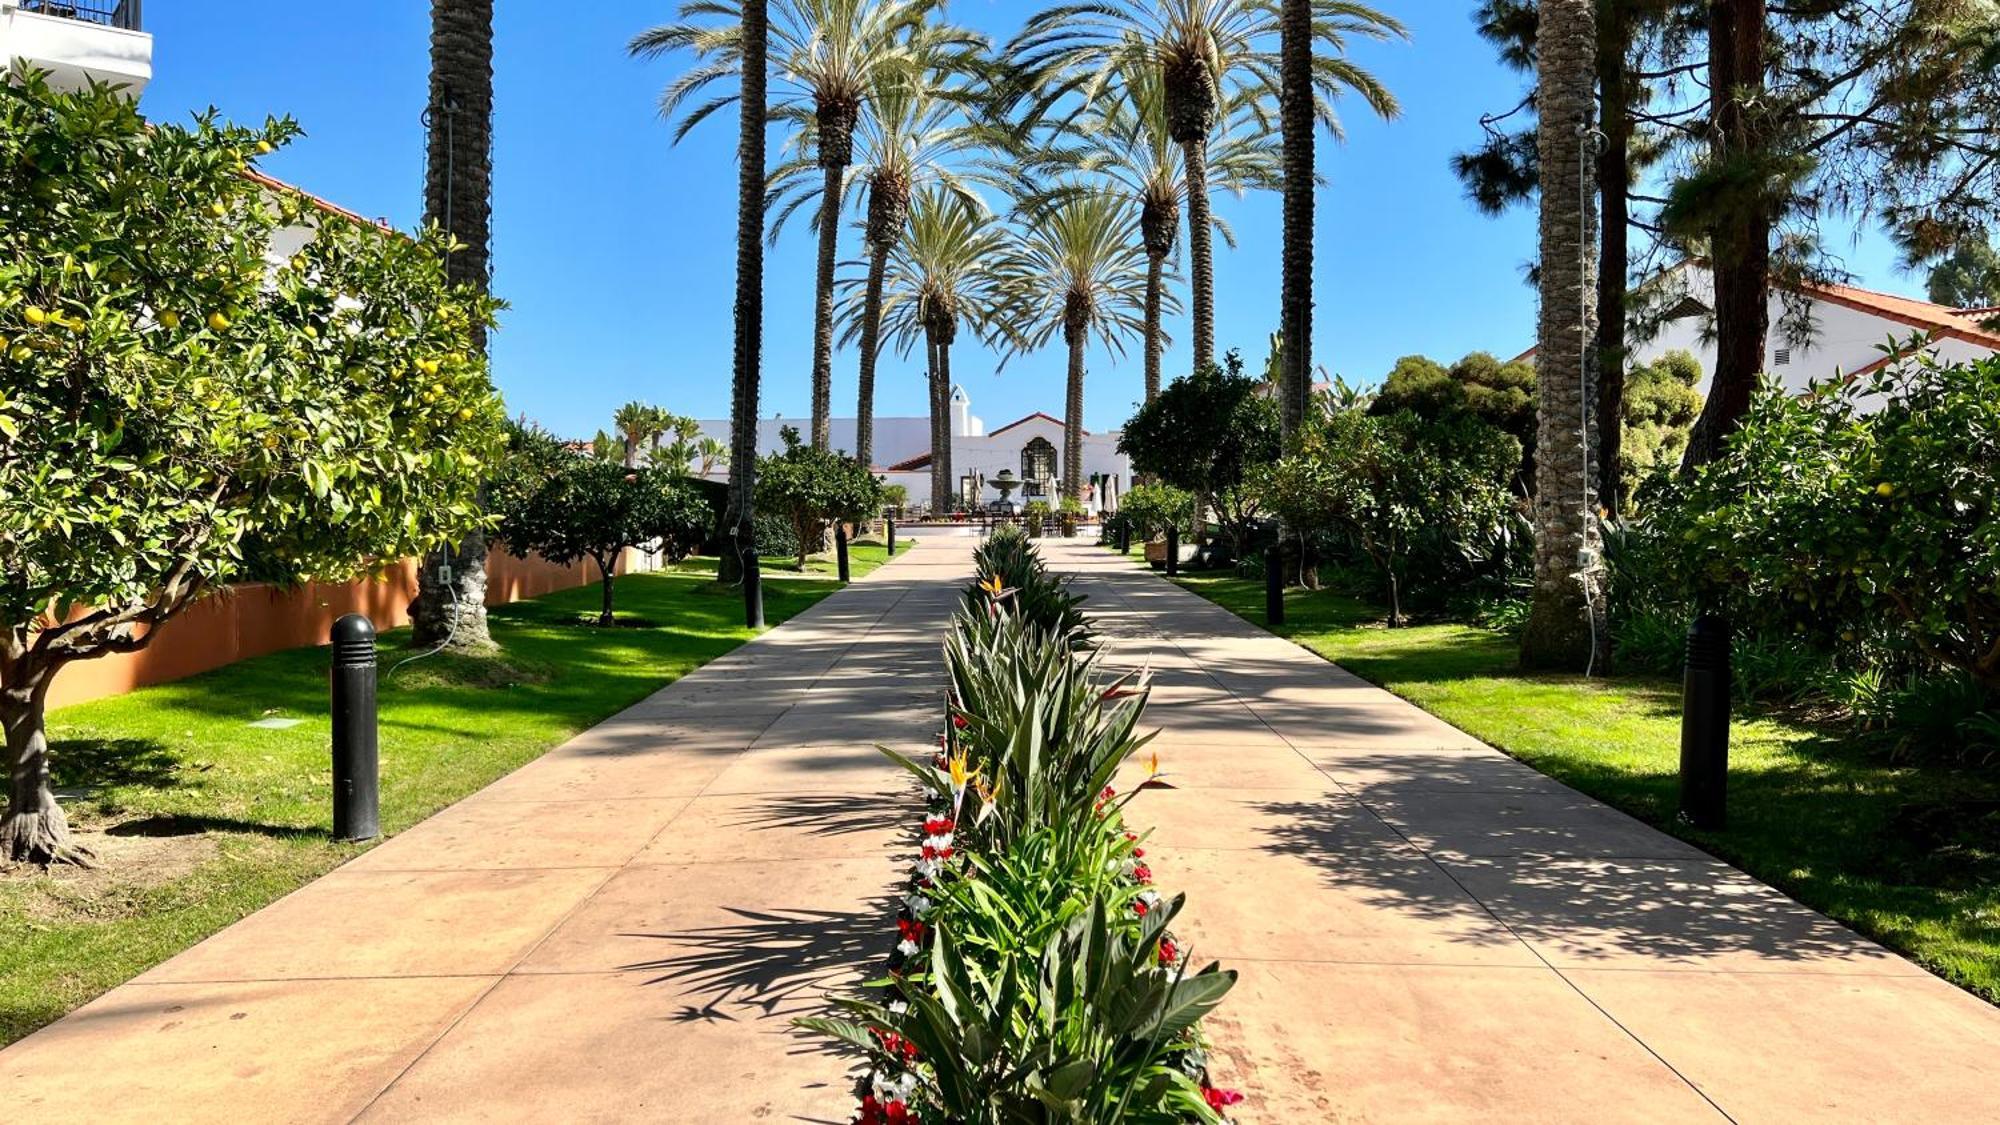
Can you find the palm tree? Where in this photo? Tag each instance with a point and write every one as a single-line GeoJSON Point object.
{"type": "Point", "coordinates": [921, 127]}
{"type": "Point", "coordinates": [635, 423]}
{"type": "Point", "coordinates": [938, 278]}
{"type": "Point", "coordinates": [450, 606]}
{"type": "Point", "coordinates": [1565, 628]}
{"type": "Point", "coordinates": [1204, 52]}
{"type": "Point", "coordinates": [1126, 142]}
{"type": "Point", "coordinates": [1077, 268]}
{"type": "Point", "coordinates": [740, 48]}
{"type": "Point", "coordinates": [828, 55]}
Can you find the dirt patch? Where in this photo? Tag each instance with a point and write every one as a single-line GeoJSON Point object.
{"type": "Point", "coordinates": [129, 864]}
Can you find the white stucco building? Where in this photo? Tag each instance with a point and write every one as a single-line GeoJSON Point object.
{"type": "Point", "coordinates": [1846, 328]}
{"type": "Point", "coordinates": [1030, 448]}
{"type": "Point", "coordinates": [78, 40]}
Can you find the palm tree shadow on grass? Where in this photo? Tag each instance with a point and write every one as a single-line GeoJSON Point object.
{"type": "Point", "coordinates": [113, 761]}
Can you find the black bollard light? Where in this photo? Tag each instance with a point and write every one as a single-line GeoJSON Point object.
{"type": "Point", "coordinates": [1705, 724]}
{"type": "Point", "coordinates": [753, 590]}
{"type": "Point", "coordinates": [892, 537]}
{"type": "Point", "coordinates": [1173, 550]}
{"type": "Point", "coordinates": [840, 550]}
{"type": "Point", "coordinates": [356, 778]}
{"type": "Point", "coordinates": [1124, 536]}
{"type": "Point", "coordinates": [1274, 581]}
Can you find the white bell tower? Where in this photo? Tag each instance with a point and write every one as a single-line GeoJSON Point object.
{"type": "Point", "coordinates": [963, 424]}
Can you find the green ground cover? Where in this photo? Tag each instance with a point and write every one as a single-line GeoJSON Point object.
{"type": "Point", "coordinates": [199, 818]}
{"type": "Point", "coordinates": [1907, 854]}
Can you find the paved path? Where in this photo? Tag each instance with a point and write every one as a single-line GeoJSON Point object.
{"type": "Point", "coordinates": [620, 930]}
{"type": "Point", "coordinates": [1426, 929]}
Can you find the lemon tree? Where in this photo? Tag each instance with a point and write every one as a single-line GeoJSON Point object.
{"type": "Point", "coordinates": [1860, 507]}
{"type": "Point", "coordinates": [179, 404]}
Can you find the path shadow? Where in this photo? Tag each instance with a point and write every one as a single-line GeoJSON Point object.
{"type": "Point", "coordinates": [1582, 907]}
{"type": "Point", "coordinates": [831, 814]}
{"type": "Point", "coordinates": [170, 824]}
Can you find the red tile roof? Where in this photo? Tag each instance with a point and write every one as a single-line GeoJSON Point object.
{"type": "Point", "coordinates": [328, 206]}
{"type": "Point", "coordinates": [920, 461]}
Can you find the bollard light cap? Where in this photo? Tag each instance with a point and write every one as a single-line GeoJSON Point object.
{"type": "Point", "coordinates": [353, 639]}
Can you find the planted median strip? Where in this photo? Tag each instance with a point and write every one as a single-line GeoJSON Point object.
{"type": "Point", "coordinates": [1033, 968]}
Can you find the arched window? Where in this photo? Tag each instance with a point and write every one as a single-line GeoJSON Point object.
{"type": "Point", "coordinates": [1038, 460]}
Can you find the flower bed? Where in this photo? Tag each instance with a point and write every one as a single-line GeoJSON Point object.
{"type": "Point", "coordinates": [1034, 975]}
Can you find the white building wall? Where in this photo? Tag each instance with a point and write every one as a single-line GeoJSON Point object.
{"type": "Point", "coordinates": [1842, 340]}
{"type": "Point", "coordinates": [74, 51]}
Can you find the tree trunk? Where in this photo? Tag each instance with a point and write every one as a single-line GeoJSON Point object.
{"type": "Point", "coordinates": [1565, 628]}
{"type": "Point", "coordinates": [942, 454]}
{"type": "Point", "coordinates": [1155, 284]}
{"type": "Point", "coordinates": [749, 314]}
{"type": "Point", "coordinates": [939, 427]}
{"type": "Point", "coordinates": [1073, 417]}
{"type": "Point", "coordinates": [452, 613]}
{"type": "Point", "coordinates": [1614, 178]}
{"type": "Point", "coordinates": [606, 576]}
{"type": "Point", "coordinates": [35, 829]}
{"type": "Point", "coordinates": [458, 196]}
{"type": "Point", "coordinates": [829, 248]}
{"type": "Point", "coordinates": [1201, 266]}
{"type": "Point", "coordinates": [1295, 111]}
{"type": "Point", "coordinates": [871, 336]}
{"type": "Point", "coordinates": [1741, 238]}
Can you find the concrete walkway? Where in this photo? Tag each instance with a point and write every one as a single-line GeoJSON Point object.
{"type": "Point", "coordinates": [1426, 929]}
{"type": "Point", "coordinates": [621, 930]}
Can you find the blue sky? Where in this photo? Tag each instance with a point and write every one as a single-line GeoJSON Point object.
{"type": "Point", "coordinates": [616, 249]}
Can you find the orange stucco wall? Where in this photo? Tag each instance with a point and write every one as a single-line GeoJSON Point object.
{"type": "Point", "coordinates": [250, 620]}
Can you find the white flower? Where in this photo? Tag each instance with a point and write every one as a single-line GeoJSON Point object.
{"type": "Point", "coordinates": [918, 904]}
{"type": "Point", "coordinates": [940, 842]}
{"type": "Point", "coordinates": [899, 1006]}
{"type": "Point", "coordinates": [907, 948]}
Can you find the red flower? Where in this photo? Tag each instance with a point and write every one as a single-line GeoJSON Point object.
{"type": "Point", "coordinates": [1139, 907]}
{"type": "Point", "coordinates": [875, 1113]}
{"type": "Point", "coordinates": [1107, 794]}
{"type": "Point", "coordinates": [1218, 1099]}
{"type": "Point", "coordinates": [938, 825]}
{"type": "Point", "coordinates": [909, 930]}
{"type": "Point", "coordinates": [1169, 952]}
{"type": "Point", "coordinates": [1138, 853]}
{"type": "Point", "coordinates": [958, 721]}
{"type": "Point", "coordinates": [936, 853]}
{"type": "Point", "coordinates": [897, 1046]}
{"type": "Point", "coordinates": [1131, 837]}
{"type": "Point", "coordinates": [1143, 873]}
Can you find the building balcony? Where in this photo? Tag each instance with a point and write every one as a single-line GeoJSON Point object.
{"type": "Point", "coordinates": [79, 40]}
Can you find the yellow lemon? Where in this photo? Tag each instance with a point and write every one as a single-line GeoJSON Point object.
{"type": "Point", "coordinates": [264, 147]}
{"type": "Point", "coordinates": [170, 319]}
{"type": "Point", "coordinates": [311, 332]}
{"type": "Point", "coordinates": [217, 322]}
{"type": "Point", "coordinates": [428, 366]}
{"type": "Point", "coordinates": [35, 315]}
{"type": "Point", "coordinates": [270, 441]}
{"type": "Point", "coordinates": [465, 414]}
{"type": "Point", "coordinates": [218, 208]}
{"type": "Point", "coordinates": [1885, 489]}
{"type": "Point", "coordinates": [19, 353]}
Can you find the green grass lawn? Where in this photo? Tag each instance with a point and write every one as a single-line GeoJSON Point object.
{"type": "Point", "coordinates": [200, 819]}
{"type": "Point", "coordinates": [1906, 854]}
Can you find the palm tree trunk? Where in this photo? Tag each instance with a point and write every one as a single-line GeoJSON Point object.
{"type": "Point", "coordinates": [829, 248]}
{"type": "Point", "coordinates": [871, 336]}
{"type": "Point", "coordinates": [942, 453]}
{"type": "Point", "coordinates": [939, 429]}
{"type": "Point", "coordinates": [458, 196]}
{"type": "Point", "coordinates": [1565, 628]}
{"type": "Point", "coordinates": [1741, 240]}
{"type": "Point", "coordinates": [1155, 284]}
{"type": "Point", "coordinates": [1201, 266]}
{"type": "Point", "coordinates": [741, 515]}
{"type": "Point", "coordinates": [1295, 112]}
{"type": "Point", "coordinates": [1073, 419]}
{"type": "Point", "coordinates": [1614, 233]}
